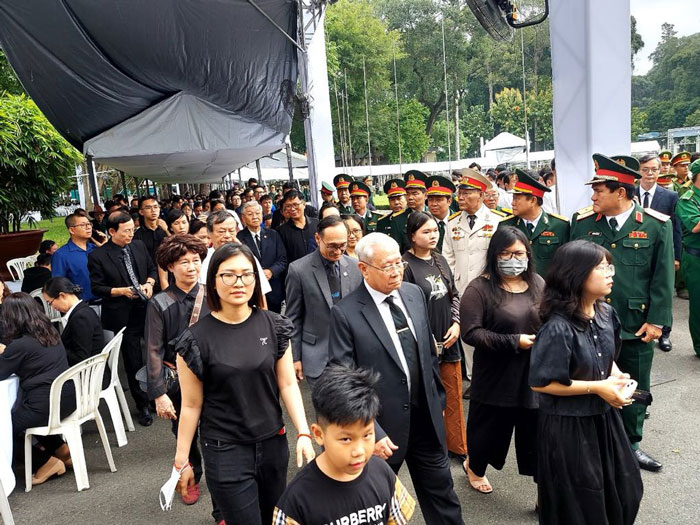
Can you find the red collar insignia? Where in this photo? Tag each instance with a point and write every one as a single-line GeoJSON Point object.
{"type": "Point", "coordinates": [638, 216]}
{"type": "Point", "coordinates": [598, 217]}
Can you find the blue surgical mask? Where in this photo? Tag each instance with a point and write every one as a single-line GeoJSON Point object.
{"type": "Point", "coordinates": [512, 267]}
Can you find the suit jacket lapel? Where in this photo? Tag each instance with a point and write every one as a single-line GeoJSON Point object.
{"type": "Point", "coordinates": [118, 261]}
{"type": "Point", "coordinates": [344, 278]}
{"type": "Point", "coordinates": [322, 279]}
{"type": "Point", "coordinates": [375, 321]}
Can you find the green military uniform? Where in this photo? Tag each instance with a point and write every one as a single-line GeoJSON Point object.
{"type": "Point", "coordinates": [642, 252]}
{"type": "Point", "coordinates": [688, 212]}
{"type": "Point", "coordinates": [370, 219]}
{"type": "Point", "coordinates": [341, 182]}
{"type": "Point", "coordinates": [394, 224]}
{"type": "Point", "coordinates": [665, 179]}
{"type": "Point", "coordinates": [681, 186]}
{"type": "Point", "coordinates": [546, 233]}
{"type": "Point", "coordinates": [438, 186]}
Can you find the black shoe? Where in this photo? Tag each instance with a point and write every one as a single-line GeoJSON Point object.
{"type": "Point", "coordinates": [665, 343]}
{"type": "Point", "coordinates": [647, 414]}
{"type": "Point", "coordinates": [683, 294]}
{"type": "Point", "coordinates": [646, 462]}
{"type": "Point", "coordinates": [145, 418]}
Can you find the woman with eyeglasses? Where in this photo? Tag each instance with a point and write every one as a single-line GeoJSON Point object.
{"type": "Point", "coordinates": [585, 464]}
{"type": "Point", "coordinates": [234, 365]}
{"type": "Point", "coordinates": [430, 271]}
{"type": "Point", "coordinates": [499, 313]}
{"type": "Point", "coordinates": [356, 230]}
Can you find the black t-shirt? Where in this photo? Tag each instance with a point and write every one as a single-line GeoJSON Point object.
{"type": "Point", "coordinates": [236, 364]}
{"type": "Point", "coordinates": [151, 238]}
{"type": "Point", "coordinates": [375, 497]}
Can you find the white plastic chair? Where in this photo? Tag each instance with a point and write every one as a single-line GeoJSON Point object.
{"type": "Point", "coordinates": [114, 393]}
{"type": "Point", "coordinates": [17, 267]}
{"type": "Point", "coordinates": [54, 315]}
{"type": "Point", "coordinates": [87, 378]}
{"type": "Point", "coordinates": [5, 511]}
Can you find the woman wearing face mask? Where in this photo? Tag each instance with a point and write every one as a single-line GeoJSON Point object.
{"type": "Point", "coordinates": [585, 464]}
{"type": "Point", "coordinates": [499, 314]}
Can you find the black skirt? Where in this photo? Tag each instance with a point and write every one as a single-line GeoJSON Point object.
{"type": "Point", "coordinates": [587, 471]}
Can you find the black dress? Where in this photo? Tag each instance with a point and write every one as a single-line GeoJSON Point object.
{"type": "Point", "coordinates": [587, 471]}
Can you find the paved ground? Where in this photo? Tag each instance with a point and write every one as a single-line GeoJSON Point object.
{"type": "Point", "coordinates": [130, 496]}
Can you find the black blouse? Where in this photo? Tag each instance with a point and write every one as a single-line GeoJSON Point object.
{"type": "Point", "coordinates": [36, 365]}
{"type": "Point", "coordinates": [565, 351]}
{"type": "Point", "coordinates": [236, 364]}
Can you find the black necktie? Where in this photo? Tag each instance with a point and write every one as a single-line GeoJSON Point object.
{"type": "Point", "coordinates": [333, 272]}
{"type": "Point", "coordinates": [646, 200]}
{"type": "Point", "coordinates": [441, 229]}
{"type": "Point", "coordinates": [256, 238]}
{"type": "Point", "coordinates": [530, 228]}
{"type": "Point", "coordinates": [409, 346]}
{"type": "Point", "coordinates": [132, 274]}
{"type": "Point", "coordinates": [472, 220]}
{"type": "Point", "coordinates": [613, 224]}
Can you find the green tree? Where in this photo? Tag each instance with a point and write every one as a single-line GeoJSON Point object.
{"type": "Point", "coordinates": [414, 140]}
{"type": "Point", "coordinates": [508, 112]}
{"type": "Point", "coordinates": [438, 138]}
{"type": "Point", "coordinates": [539, 118]}
{"type": "Point", "coordinates": [8, 80]}
{"type": "Point", "coordinates": [637, 42]}
{"type": "Point", "coordinates": [693, 119]}
{"type": "Point", "coordinates": [639, 122]}
{"type": "Point", "coordinates": [36, 163]}
{"type": "Point", "coordinates": [475, 124]}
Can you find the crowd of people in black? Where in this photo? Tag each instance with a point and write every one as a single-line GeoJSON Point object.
{"type": "Point", "coordinates": [230, 301]}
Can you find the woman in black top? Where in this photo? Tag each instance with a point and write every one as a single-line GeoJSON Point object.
{"type": "Point", "coordinates": [430, 271]}
{"type": "Point", "coordinates": [233, 366]}
{"type": "Point", "coordinates": [36, 355]}
{"type": "Point", "coordinates": [587, 471]}
{"type": "Point", "coordinates": [4, 292]}
{"type": "Point", "coordinates": [499, 314]}
{"type": "Point", "coordinates": [82, 334]}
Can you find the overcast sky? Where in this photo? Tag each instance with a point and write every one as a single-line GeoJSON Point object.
{"type": "Point", "coordinates": [650, 14]}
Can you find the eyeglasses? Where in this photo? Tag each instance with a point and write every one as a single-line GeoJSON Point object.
{"type": "Point", "coordinates": [607, 269]}
{"type": "Point", "coordinates": [508, 255]}
{"type": "Point", "coordinates": [82, 225]}
{"type": "Point", "coordinates": [149, 208]}
{"type": "Point", "coordinates": [356, 232]}
{"type": "Point", "coordinates": [230, 279]}
{"type": "Point", "coordinates": [398, 267]}
{"type": "Point", "coordinates": [50, 303]}
{"type": "Point", "coordinates": [335, 247]}
{"type": "Point", "coordinates": [185, 264]}
{"type": "Point", "coordinates": [649, 170]}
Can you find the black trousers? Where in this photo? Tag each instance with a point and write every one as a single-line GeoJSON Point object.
{"type": "Point", "coordinates": [429, 466]}
{"type": "Point", "coordinates": [133, 355]}
{"type": "Point", "coordinates": [489, 431]}
{"type": "Point", "coordinates": [246, 480]}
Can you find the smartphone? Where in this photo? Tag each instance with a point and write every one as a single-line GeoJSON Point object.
{"type": "Point", "coordinates": [629, 388]}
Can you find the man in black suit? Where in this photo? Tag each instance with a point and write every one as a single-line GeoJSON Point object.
{"type": "Point", "coordinates": [314, 284]}
{"type": "Point", "coordinates": [652, 195]}
{"type": "Point", "coordinates": [267, 246]}
{"type": "Point", "coordinates": [123, 274]}
{"type": "Point", "coordinates": [383, 325]}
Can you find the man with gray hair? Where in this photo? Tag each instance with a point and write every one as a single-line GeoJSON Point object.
{"type": "Point", "coordinates": [268, 248]}
{"type": "Point", "coordinates": [383, 325]}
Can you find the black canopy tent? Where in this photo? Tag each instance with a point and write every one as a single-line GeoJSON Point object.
{"type": "Point", "coordinates": [173, 91]}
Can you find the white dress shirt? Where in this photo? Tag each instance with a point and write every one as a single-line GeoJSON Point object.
{"type": "Point", "coordinates": [621, 218]}
{"type": "Point", "coordinates": [651, 191]}
{"type": "Point", "coordinates": [534, 223]}
{"type": "Point", "coordinates": [64, 320]}
{"type": "Point", "coordinates": [385, 312]}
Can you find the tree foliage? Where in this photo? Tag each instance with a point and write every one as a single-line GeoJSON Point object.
{"type": "Point", "coordinates": [36, 163]}
{"type": "Point", "coordinates": [8, 80]}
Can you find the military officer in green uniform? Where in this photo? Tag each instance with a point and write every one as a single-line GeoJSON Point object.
{"type": "Point", "coordinates": [359, 196]}
{"type": "Point", "coordinates": [342, 187]}
{"type": "Point", "coordinates": [546, 231]}
{"type": "Point", "coordinates": [680, 163]}
{"type": "Point", "coordinates": [394, 224]}
{"type": "Point", "coordinates": [688, 212]}
{"type": "Point", "coordinates": [326, 192]}
{"type": "Point", "coordinates": [665, 178]}
{"type": "Point", "coordinates": [440, 191]}
{"type": "Point", "coordinates": [641, 244]}
{"type": "Point", "coordinates": [415, 189]}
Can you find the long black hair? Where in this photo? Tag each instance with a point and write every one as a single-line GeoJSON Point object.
{"type": "Point", "coordinates": [58, 285]}
{"type": "Point", "coordinates": [503, 239]}
{"type": "Point", "coordinates": [21, 315]}
{"type": "Point", "coordinates": [223, 253]}
{"type": "Point", "coordinates": [568, 272]}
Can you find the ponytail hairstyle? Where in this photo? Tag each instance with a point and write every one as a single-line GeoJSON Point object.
{"type": "Point", "coordinates": [58, 285]}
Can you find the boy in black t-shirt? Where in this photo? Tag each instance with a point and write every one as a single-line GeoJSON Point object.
{"type": "Point", "coordinates": [345, 484]}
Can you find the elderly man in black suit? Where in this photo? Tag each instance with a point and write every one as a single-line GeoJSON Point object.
{"type": "Point", "coordinates": [652, 195]}
{"type": "Point", "coordinates": [267, 246]}
{"type": "Point", "coordinates": [123, 274]}
{"type": "Point", "coordinates": [314, 284]}
{"type": "Point", "coordinates": [383, 325]}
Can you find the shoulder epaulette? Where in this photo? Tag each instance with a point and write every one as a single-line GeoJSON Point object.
{"type": "Point", "coordinates": [584, 212]}
{"type": "Point", "coordinates": [560, 217]}
{"type": "Point", "coordinates": [686, 184]}
{"type": "Point", "coordinates": [687, 196]}
{"type": "Point", "coordinates": [455, 214]}
{"type": "Point", "coordinates": [385, 217]}
{"type": "Point", "coordinates": [657, 215]}
{"type": "Point", "coordinates": [399, 212]}
{"type": "Point", "coordinates": [500, 213]}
